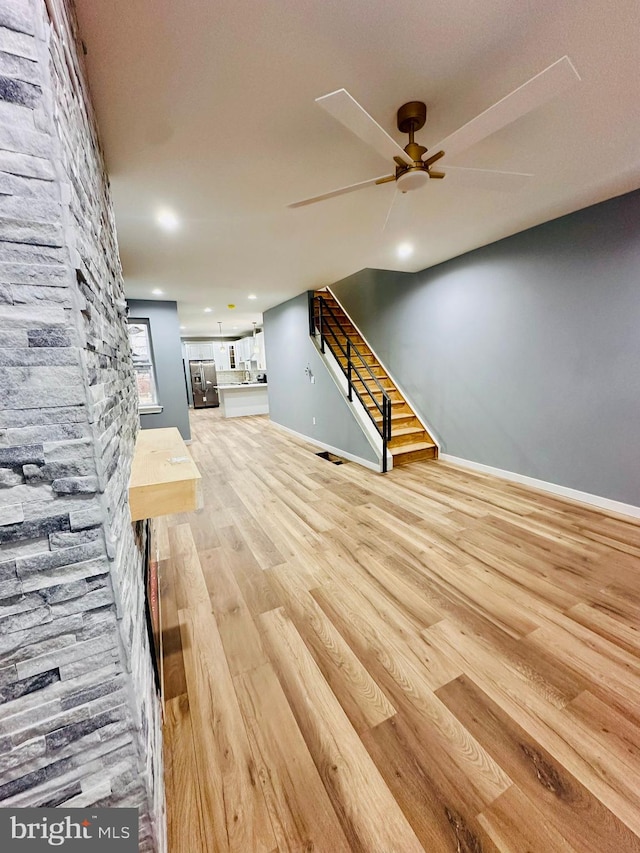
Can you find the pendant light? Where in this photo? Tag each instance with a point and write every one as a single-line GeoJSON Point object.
{"type": "Point", "coordinates": [222, 346]}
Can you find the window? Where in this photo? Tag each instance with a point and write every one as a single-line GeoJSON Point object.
{"type": "Point", "coordinates": [142, 354]}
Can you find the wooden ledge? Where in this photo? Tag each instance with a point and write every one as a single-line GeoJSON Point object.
{"type": "Point", "coordinates": [164, 477]}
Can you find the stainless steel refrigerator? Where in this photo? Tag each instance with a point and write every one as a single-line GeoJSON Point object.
{"type": "Point", "coordinates": [203, 384]}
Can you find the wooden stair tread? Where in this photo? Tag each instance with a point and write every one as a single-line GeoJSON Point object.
{"type": "Point", "coordinates": [400, 416]}
{"type": "Point", "coordinates": [406, 430]}
{"type": "Point", "coordinates": [411, 448]}
{"type": "Point", "coordinates": [366, 373]}
{"type": "Point", "coordinates": [373, 363]}
{"type": "Point", "coordinates": [394, 396]}
{"type": "Point", "coordinates": [371, 405]}
{"type": "Point", "coordinates": [387, 386]}
{"type": "Point", "coordinates": [368, 377]}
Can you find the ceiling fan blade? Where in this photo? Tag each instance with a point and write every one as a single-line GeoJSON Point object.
{"type": "Point", "coordinates": [532, 94]}
{"type": "Point", "coordinates": [488, 179]}
{"type": "Point", "coordinates": [393, 201]}
{"type": "Point", "coordinates": [348, 112]}
{"type": "Point", "coordinates": [351, 188]}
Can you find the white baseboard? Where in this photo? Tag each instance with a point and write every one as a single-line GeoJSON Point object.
{"type": "Point", "coordinates": [366, 463]}
{"type": "Point", "coordinates": [553, 488]}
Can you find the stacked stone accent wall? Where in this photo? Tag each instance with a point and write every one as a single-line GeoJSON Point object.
{"type": "Point", "coordinates": [79, 718]}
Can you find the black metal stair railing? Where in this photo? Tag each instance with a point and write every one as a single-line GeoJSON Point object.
{"type": "Point", "coordinates": [320, 313]}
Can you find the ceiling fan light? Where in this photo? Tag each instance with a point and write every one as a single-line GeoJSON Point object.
{"type": "Point", "coordinates": [412, 180]}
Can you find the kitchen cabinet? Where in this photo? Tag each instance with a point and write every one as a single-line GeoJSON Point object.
{"type": "Point", "coordinates": [199, 350]}
{"type": "Point", "coordinates": [242, 349]}
{"type": "Point", "coordinates": [243, 354]}
{"type": "Point", "coordinates": [226, 357]}
{"type": "Point", "coordinates": [252, 351]}
{"type": "Point", "coordinates": [237, 401]}
{"type": "Point", "coordinates": [262, 364]}
{"type": "Point", "coordinates": [211, 351]}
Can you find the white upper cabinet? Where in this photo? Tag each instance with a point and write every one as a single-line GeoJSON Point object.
{"type": "Point", "coordinates": [251, 351]}
{"type": "Point", "coordinates": [246, 349]}
{"type": "Point", "coordinates": [199, 350]}
{"type": "Point", "coordinates": [221, 355]}
{"type": "Point", "coordinates": [239, 355]}
{"type": "Point", "coordinates": [262, 364]}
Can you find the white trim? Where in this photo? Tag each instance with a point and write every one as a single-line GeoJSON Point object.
{"type": "Point", "coordinates": [543, 485]}
{"type": "Point", "coordinates": [150, 410]}
{"type": "Point", "coordinates": [411, 405]}
{"type": "Point", "coordinates": [366, 463]}
{"type": "Point", "coordinates": [358, 410]}
{"type": "Point", "coordinates": [188, 441]}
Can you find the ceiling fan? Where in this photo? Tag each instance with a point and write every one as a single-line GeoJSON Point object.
{"type": "Point", "coordinates": [412, 171]}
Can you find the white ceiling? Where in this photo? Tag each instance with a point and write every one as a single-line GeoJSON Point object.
{"type": "Point", "coordinates": [207, 108]}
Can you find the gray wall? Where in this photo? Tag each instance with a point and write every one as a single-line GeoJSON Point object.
{"type": "Point", "coordinates": [167, 355]}
{"type": "Point", "coordinates": [525, 354]}
{"type": "Point", "coordinates": [293, 400]}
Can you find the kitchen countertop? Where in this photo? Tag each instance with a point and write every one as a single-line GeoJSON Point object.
{"type": "Point", "coordinates": [242, 385]}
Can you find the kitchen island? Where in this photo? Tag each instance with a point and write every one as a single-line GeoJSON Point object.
{"type": "Point", "coordinates": [248, 398]}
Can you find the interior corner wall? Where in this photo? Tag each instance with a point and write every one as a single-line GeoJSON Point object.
{"type": "Point", "coordinates": [79, 711]}
{"type": "Point", "coordinates": [294, 401]}
{"type": "Point", "coordinates": [524, 355]}
{"type": "Point", "coordinates": [164, 326]}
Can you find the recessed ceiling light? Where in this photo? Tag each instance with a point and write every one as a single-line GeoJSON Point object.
{"type": "Point", "coordinates": [405, 250]}
{"type": "Point", "coordinates": [208, 310]}
{"type": "Point", "coordinates": [252, 296]}
{"type": "Point", "coordinates": [183, 327]}
{"type": "Point", "coordinates": [167, 219]}
{"type": "Point", "coordinates": [157, 292]}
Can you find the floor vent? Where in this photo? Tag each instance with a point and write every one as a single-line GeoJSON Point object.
{"type": "Point", "coordinates": [324, 454]}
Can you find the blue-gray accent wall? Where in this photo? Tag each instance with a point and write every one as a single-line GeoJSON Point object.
{"type": "Point", "coordinates": [167, 354]}
{"type": "Point", "coordinates": [524, 354]}
{"type": "Point", "coordinates": [293, 399]}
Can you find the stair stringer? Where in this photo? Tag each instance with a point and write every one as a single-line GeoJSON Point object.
{"type": "Point", "coordinates": [432, 433]}
{"type": "Point", "coordinates": [362, 416]}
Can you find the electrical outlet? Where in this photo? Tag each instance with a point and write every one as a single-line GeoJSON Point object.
{"type": "Point", "coordinates": [314, 421]}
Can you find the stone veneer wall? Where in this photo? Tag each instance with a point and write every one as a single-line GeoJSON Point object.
{"type": "Point", "coordinates": [79, 718]}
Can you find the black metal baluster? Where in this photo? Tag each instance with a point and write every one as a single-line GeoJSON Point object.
{"type": "Point", "coordinates": [384, 435]}
{"type": "Point", "coordinates": [312, 313]}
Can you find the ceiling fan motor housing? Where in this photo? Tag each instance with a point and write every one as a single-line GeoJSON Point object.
{"type": "Point", "coordinates": [412, 116]}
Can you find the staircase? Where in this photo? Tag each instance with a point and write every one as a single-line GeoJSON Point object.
{"type": "Point", "coordinates": [402, 433]}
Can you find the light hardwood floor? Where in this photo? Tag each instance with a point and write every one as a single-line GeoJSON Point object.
{"type": "Point", "coordinates": [428, 660]}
